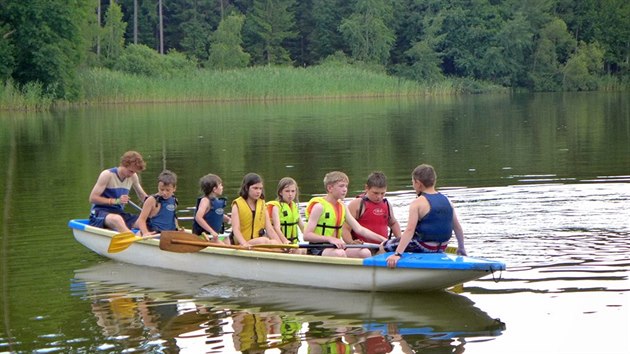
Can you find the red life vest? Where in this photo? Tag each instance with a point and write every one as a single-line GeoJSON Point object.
{"type": "Point", "coordinates": [373, 216]}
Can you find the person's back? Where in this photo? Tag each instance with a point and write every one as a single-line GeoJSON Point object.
{"type": "Point", "coordinates": [434, 209]}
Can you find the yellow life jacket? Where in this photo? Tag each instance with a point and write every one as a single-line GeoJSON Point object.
{"type": "Point", "coordinates": [289, 216]}
{"type": "Point", "coordinates": [332, 218]}
{"type": "Point", "coordinates": [251, 221]}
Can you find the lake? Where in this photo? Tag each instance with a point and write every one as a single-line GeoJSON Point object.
{"type": "Point", "coordinates": [540, 182]}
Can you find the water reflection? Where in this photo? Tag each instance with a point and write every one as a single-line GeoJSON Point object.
{"type": "Point", "coordinates": [153, 309]}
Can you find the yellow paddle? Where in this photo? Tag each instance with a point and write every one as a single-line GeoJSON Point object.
{"type": "Point", "coordinates": [123, 240]}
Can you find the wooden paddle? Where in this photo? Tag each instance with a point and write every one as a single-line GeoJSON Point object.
{"type": "Point", "coordinates": [184, 242]}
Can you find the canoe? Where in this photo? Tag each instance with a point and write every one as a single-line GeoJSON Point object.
{"type": "Point", "coordinates": [415, 271]}
{"type": "Point", "coordinates": [440, 315]}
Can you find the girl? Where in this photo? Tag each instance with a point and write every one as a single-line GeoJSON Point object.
{"type": "Point", "coordinates": [284, 213]}
{"type": "Point", "coordinates": [250, 223]}
{"type": "Point", "coordinates": [210, 213]}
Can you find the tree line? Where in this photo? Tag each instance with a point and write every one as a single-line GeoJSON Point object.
{"type": "Point", "coordinates": [541, 45]}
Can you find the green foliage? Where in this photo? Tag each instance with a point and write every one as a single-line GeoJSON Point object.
{"type": "Point", "coordinates": [268, 25]}
{"type": "Point", "coordinates": [426, 63]}
{"type": "Point", "coordinates": [139, 59]}
{"type": "Point", "coordinates": [226, 51]}
{"type": "Point", "coordinates": [47, 43]}
{"type": "Point", "coordinates": [31, 97]}
{"type": "Point", "coordinates": [7, 59]}
{"type": "Point", "coordinates": [583, 68]}
{"type": "Point", "coordinates": [113, 40]}
{"type": "Point", "coordinates": [325, 39]}
{"type": "Point", "coordinates": [552, 50]}
{"type": "Point", "coordinates": [366, 31]}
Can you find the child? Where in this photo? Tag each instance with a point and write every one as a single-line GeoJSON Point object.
{"type": "Point", "coordinates": [326, 216]}
{"type": "Point", "coordinates": [111, 193]}
{"type": "Point", "coordinates": [431, 221]}
{"type": "Point", "coordinates": [284, 213]}
{"type": "Point", "coordinates": [250, 222]}
{"type": "Point", "coordinates": [158, 210]}
{"type": "Point", "coordinates": [210, 209]}
{"type": "Point", "coordinates": [372, 211]}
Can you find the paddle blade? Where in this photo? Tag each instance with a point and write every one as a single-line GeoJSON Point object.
{"type": "Point", "coordinates": [167, 244]}
{"type": "Point", "coordinates": [122, 241]}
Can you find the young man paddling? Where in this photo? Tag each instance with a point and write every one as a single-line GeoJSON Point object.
{"type": "Point", "coordinates": [110, 194]}
{"type": "Point", "coordinates": [326, 216]}
{"type": "Point", "coordinates": [431, 223]}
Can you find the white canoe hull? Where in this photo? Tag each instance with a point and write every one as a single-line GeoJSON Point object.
{"type": "Point", "coordinates": [284, 268]}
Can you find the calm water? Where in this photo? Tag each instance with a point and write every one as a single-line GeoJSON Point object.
{"type": "Point", "coordinates": [541, 182]}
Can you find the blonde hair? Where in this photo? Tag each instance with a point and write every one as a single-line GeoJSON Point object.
{"type": "Point", "coordinates": [334, 177]}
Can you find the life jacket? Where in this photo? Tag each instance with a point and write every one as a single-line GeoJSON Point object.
{"type": "Point", "coordinates": [252, 222]}
{"type": "Point", "coordinates": [165, 219]}
{"type": "Point", "coordinates": [437, 225]}
{"type": "Point", "coordinates": [214, 216]}
{"type": "Point", "coordinates": [289, 216]}
{"type": "Point", "coordinates": [332, 218]}
{"type": "Point", "coordinates": [373, 216]}
{"type": "Point", "coordinates": [115, 188]}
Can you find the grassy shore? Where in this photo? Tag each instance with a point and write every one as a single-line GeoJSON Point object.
{"type": "Point", "coordinates": [99, 86]}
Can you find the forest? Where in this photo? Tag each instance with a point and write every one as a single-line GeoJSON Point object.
{"type": "Point", "coordinates": [537, 45]}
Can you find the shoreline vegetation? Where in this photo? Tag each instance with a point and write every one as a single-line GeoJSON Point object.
{"type": "Point", "coordinates": [105, 86]}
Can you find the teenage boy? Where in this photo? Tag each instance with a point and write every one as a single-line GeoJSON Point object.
{"type": "Point", "coordinates": [431, 223]}
{"type": "Point", "coordinates": [110, 194]}
{"type": "Point", "coordinates": [326, 217]}
{"type": "Point", "coordinates": [372, 210]}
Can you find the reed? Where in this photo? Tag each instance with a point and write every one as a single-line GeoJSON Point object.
{"type": "Point", "coordinates": [334, 80]}
{"type": "Point", "coordinates": [256, 83]}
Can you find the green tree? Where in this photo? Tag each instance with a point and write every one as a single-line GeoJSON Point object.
{"type": "Point", "coordinates": [226, 51]}
{"type": "Point", "coordinates": [367, 33]}
{"type": "Point", "coordinates": [113, 38]}
{"type": "Point", "coordinates": [325, 37]}
{"type": "Point", "coordinates": [47, 42]}
{"type": "Point", "coordinates": [7, 60]}
{"type": "Point", "coordinates": [583, 68]}
{"type": "Point", "coordinates": [552, 51]}
{"type": "Point", "coordinates": [268, 26]}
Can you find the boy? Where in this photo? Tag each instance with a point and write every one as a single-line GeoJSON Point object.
{"type": "Point", "coordinates": [326, 217]}
{"type": "Point", "coordinates": [431, 221]}
{"type": "Point", "coordinates": [110, 194]}
{"type": "Point", "coordinates": [158, 211]}
{"type": "Point", "coordinates": [372, 211]}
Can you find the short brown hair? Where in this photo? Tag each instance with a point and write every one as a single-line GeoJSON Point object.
{"type": "Point", "coordinates": [168, 178]}
{"type": "Point", "coordinates": [426, 174]}
{"type": "Point", "coordinates": [208, 182]}
{"type": "Point", "coordinates": [133, 159]}
{"type": "Point", "coordinates": [377, 179]}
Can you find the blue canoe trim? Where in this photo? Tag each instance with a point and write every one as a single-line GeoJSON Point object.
{"type": "Point", "coordinates": [436, 261]}
{"type": "Point", "coordinates": [78, 224]}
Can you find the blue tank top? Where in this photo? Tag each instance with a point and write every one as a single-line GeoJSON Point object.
{"type": "Point", "coordinates": [164, 220]}
{"type": "Point", "coordinates": [437, 225]}
{"type": "Point", "coordinates": [115, 188]}
{"type": "Point", "coordinates": [214, 217]}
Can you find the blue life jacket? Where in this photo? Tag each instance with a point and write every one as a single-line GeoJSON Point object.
{"type": "Point", "coordinates": [437, 225]}
{"type": "Point", "coordinates": [214, 217]}
{"type": "Point", "coordinates": [165, 219]}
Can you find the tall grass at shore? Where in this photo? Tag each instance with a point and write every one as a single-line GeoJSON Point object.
{"type": "Point", "coordinates": [104, 86]}
{"type": "Point", "coordinates": [256, 83]}
{"type": "Point", "coordinates": [31, 97]}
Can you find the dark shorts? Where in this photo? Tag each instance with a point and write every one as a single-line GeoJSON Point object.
{"type": "Point", "coordinates": [97, 218]}
{"type": "Point", "coordinates": [414, 246]}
